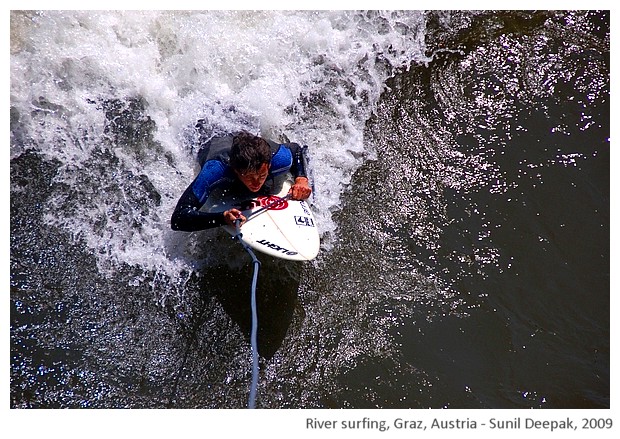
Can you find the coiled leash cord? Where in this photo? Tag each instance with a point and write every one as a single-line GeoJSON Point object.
{"type": "Point", "coordinates": [253, 334]}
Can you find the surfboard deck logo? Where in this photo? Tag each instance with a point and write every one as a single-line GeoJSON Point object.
{"type": "Point", "coordinates": [304, 221]}
{"type": "Point", "coordinates": [274, 202]}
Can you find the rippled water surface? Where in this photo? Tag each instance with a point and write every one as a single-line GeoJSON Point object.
{"type": "Point", "coordinates": [461, 170]}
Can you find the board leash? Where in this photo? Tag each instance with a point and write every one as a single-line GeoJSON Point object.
{"type": "Point", "coordinates": [254, 331]}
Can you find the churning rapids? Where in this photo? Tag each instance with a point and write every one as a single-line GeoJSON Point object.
{"type": "Point", "coordinates": [460, 162]}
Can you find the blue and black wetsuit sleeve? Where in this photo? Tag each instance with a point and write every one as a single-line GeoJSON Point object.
{"type": "Point", "coordinates": [187, 215]}
{"type": "Point", "coordinates": [298, 167]}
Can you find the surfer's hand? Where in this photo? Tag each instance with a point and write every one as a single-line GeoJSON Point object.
{"type": "Point", "coordinates": [232, 215]}
{"type": "Point", "coordinates": [301, 189]}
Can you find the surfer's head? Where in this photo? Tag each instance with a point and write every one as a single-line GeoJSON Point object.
{"type": "Point", "coordinates": [250, 157]}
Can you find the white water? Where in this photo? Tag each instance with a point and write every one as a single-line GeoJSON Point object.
{"type": "Point", "coordinates": [314, 77]}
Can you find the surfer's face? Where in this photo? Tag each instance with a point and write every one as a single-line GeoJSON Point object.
{"type": "Point", "coordinates": [254, 180]}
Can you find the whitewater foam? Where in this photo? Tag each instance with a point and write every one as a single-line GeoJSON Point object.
{"type": "Point", "coordinates": [82, 80]}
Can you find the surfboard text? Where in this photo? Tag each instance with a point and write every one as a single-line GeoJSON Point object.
{"type": "Point", "coordinates": [304, 206]}
{"type": "Point", "coordinates": [276, 247]}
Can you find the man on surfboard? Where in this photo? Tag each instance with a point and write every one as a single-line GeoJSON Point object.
{"type": "Point", "coordinates": [232, 160]}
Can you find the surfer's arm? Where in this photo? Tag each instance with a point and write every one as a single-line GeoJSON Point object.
{"type": "Point", "coordinates": [298, 167]}
{"type": "Point", "coordinates": [301, 189]}
{"type": "Point", "coordinates": [187, 216]}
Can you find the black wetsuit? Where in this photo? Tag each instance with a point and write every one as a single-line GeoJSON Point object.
{"type": "Point", "coordinates": [216, 172]}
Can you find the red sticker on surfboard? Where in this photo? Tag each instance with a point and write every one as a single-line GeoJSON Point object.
{"type": "Point", "coordinates": [274, 203]}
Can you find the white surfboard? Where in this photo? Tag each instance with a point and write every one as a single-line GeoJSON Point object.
{"type": "Point", "coordinates": [276, 226]}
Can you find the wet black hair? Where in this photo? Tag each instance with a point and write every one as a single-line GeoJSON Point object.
{"type": "Point", "coordinates": [249, 152]}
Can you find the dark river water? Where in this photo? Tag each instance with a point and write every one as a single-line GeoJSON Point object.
{"type": "Point", "coordinates": [461, 164]}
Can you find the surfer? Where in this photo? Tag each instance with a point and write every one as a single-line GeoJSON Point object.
{"type": "Point", "coordinates": [244, 159]}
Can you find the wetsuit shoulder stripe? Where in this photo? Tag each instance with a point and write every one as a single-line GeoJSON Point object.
{"type": "Point", "coordinates": [281, 161]}
{"type": "Point", "coordinates": [212, 174]}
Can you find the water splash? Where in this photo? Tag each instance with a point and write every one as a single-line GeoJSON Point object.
{"type": "Point", "coordinates": [114, 96]}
